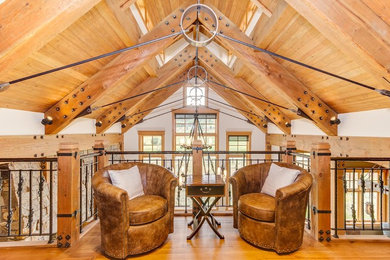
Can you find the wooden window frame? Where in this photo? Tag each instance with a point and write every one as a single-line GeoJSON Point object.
{"type": "Point", "coordinates": [141, 135]}
{"type": "Point", "coordinates": [206, 101]}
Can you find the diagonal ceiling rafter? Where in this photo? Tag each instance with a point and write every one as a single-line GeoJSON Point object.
{"type": "Point", "coordinates": [282, 80]}
{"type": "Point", "coordinates": [226, 75]}
{"type": "Point", "coordinates": [115, 72]}
{"type": "Point", "coordinates": [236, 101]}
{"type": "Point", "coordinates": [167, 73]}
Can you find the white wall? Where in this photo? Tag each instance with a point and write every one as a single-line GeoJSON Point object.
{"type": "Point", "coordinates": [374, 123]}
{"type": "Point", "coordinates": [18, 122]}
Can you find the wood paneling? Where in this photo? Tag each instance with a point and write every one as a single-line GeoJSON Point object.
{"type": "Point", "coordinates": [206, 243]}
{"type": "Point", "coordinates": [282, 80]}
{"type": "Point", "coordinates": [114, 73]}
{"type": "Point", "coordinates": [47, 146]}
{"type": "Point", "coordinates": [342, 146]}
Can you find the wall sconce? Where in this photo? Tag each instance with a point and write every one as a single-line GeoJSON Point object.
{"type": "Point", "coordinates": [99, 123]}
{"type": "Point", "coordinates": [47, 121]}
{"type": "Point", "coordinates": [335, 121]}
{"type": "Point", "coordinates": [123, 125]}
{"type": "Point", "coordinates": [287, 124]}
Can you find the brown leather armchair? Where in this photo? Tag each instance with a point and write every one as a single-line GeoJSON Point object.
{"type": "Point", "coordinates": [275, 223]}
{"type": "Point", "coordinates": [130, 227]}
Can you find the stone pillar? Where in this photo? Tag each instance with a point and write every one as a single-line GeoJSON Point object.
{"type": "Point", "coordinates": [290, 148]}
{"type": "Point", "coordinates": [321, 192]}
{"type": "Point", "coordinates": [68, 229]}
{"type": "Point", "coordinates": [197, 157]}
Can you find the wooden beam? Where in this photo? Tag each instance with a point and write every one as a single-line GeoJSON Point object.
{"type": "Point", "coordinates": [30, 146]}
{"type": "Point", "coordinates": [235, 100]}
{"type": "Point", "coordinates": [167, 73]}
{"type": "Point", "coordinates": [341, 146]}
{"type": "Point", "coordinates": [149, 102]}
{"type": "Point", "coordinates": [226, 76]}
{"type": "Point", "coordinates": [126, 19]}
{"type": "Point", "coordinates": [262, 7]}
{"type": "Point", "coordinates": [26, 26]}
{"type": "Point", "coordinates": [353, 27]}
{"type": "Point", "coordinates": [68, 195]}
{"type": "Point", "coordinates": [279, 77]}
{"type": "Point", "coordinates": [115, 72]}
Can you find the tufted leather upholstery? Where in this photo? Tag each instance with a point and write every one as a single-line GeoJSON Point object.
{"type": "Point", "coordinates": [130, 227]}
{"type": "Point", "coordinates": [268, 222]}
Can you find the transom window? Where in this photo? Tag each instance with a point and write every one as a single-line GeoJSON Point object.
{"type": "Point", "coordinates": [195, 95]}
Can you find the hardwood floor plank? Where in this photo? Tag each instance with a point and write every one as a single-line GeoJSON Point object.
{"type": "Point", "coordinates": [206, 245]}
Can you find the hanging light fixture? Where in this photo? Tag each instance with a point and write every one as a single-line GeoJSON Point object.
{"type": "Point", "coordinates": [209, 14]}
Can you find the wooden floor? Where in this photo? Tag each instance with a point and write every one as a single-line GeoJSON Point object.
{"type": "Point", "coordinates": [207, 246]}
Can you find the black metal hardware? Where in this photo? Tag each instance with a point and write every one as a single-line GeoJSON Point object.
{"type": "Point", "coordinates": [320, 211]}
{"type": "Point", "coordinates": [67, 237]}
{"type": "Point", "coordinates": [71, 215]}
{"type": "Point", "coordinates": [59, 238]}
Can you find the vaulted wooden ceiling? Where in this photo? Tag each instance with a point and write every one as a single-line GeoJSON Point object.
{"type": "Point", "coordinates": [350, 38]}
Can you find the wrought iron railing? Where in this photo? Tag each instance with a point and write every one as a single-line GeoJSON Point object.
{"type": "Point", "coordinates": [28, 188]}
{"type": "Point", "coordinates": [180, 162]}
{"type": "Point", "coordinates": [88, 167]}
{"type": "Point", "coordinates": [361, 195]}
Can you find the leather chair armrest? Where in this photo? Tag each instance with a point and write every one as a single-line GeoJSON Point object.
{"type": "Point", "coordinates": [114, 220]}
{"type": "Point", "coordinates": [238, 188]}
{"type": "Point", "coordinates": [290, 211]}
{"type": "Point", "coordinates": [168, 192]}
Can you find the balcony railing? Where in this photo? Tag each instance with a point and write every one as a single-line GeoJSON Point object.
{"type": "Point", "coordinates": [28, 189]}
{"type": "Point", "coordinates": [180, 162]}
{"type": "Point", "coordinates": [361, 195]}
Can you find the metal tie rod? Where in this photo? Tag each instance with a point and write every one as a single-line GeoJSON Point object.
{"type": "Point", "coordinates": [246, 94]}
{"type": "Point", "coordinates": [153, 108]}
{"type": "Point", "coordinates": [90, 59]}
{"type": "Point", "coordinates": [237, 108]}
{"type": "Point", "coordinates": [384, 92]}
{"type": "Point", "coordinates": [138, 95]}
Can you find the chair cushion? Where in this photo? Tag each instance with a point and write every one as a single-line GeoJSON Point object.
{"type": "Point", "coordinates": [258, 206]}
{"type": "Point", "coordinates": [278, 177]}
{"type": "Point", "coordinates": [128, 180]}
{"type": "Point", "coordinates": [145, 209]}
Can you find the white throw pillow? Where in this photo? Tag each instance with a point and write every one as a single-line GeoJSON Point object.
{"type": "Point", "coordinates": [129, 180]}
{"type": "Point", "coordinates": [277, 178]}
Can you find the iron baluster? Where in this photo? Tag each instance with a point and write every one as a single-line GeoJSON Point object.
{"type": "Point", "coordinates": [40, 192]}
{"type": "Point", "coordinates": [10, 212]}
{"type": "Point", "coordinates": [51, 237]}
{"type": "Point", "coordinates": [380, 198]}
{"type": "Point", "coordinates": [20, 189]}
{"type": "Point", "coordinates": [345, 196]}
{"type": "Point", "coordinates": [335, 200]}
{"type": "Point", "coordinates": [30, 215]}
{"type": "Point", "coordinates": [81, 195]}
{"type": "Point", "coordinates": [363, 190]}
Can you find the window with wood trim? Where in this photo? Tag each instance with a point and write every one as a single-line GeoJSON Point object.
{"type": "Point", "coordinates": [151, 141]}
{"type": "Point", "coordinates": [237, 142]}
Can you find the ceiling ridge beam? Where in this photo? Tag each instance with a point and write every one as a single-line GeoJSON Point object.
{"type": "Point", "coordinates": [165, 74]}
{"type": "Point", "coordinates": [284, 82]}
{"type": "Point", "coordinates": [28, 26]}
{"type": "Point", "coordinates": [226, 76]}
{"type": "Point", "coordinates": [114, 73]}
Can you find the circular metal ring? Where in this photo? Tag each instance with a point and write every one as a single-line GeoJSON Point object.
{"type": "Point", "coordinates": [199, 67]}
{"type": "Point", "coordinates": [207, 10]}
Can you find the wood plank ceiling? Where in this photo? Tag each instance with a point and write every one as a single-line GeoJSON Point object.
{"type": "Point", "coordinates": [346, 37]}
